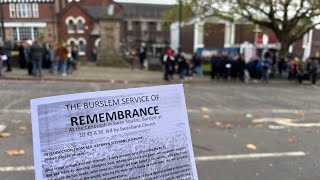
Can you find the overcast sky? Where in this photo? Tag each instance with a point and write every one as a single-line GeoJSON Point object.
{"type": "Point", "coordinates": [149, 1]}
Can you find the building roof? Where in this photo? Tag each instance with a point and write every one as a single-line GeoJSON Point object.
{"type": "Point", "coordinates": [96, 12]}
{"type": "Point", "coordinates": [138, 10]}
{"type": "Point", "coordinates": [26, 1]}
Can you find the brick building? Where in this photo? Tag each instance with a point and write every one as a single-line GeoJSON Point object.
{"type": "Point", "coordinates": [30, 19]}
{"type": "Point", "coordinates": [77, 22]}
{"type": "Point", "coordinates": [140, 24]}
{"type": "Point", "coordinates": [213, 32]}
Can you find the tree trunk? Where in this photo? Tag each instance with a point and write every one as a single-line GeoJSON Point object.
{"type": "Point", "coordinates": [284, 51]}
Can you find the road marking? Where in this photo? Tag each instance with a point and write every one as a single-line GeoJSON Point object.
{"type": "Point", "coordinates": [16, 168]}
{"type": "Point", "coordinates": [286, 122]}
{"type": "Point", "coordinates": [200, 158]}
{"type": "Point", "coordinates": [12, 103]}
{"type": "Point", "coordinates": [2, 128]}
{"type": "Point", "coordinates": [250, 156]}
{"type": "Point", "coordinates": [294, 111]}
{"type": "Point", "coordinates": [26, 111]}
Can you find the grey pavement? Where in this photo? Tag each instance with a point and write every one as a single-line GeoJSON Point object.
{"type": "Point", "coordinates": [223, 120]}
{"type": "Point", "coordinates": [91, 73]}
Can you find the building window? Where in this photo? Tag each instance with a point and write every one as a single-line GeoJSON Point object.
{"type": "Point", "coordinates": [70, 26]}
{"type": "Point", "coordinates": [144, 26]}
{"type": "Point", "coordinates": [15, 34]}
{"type": "Point", "coordinates": [129, 26]}
{"type": "Point", "coordinates": [80, 26]}
{"type": "Point", "coordinates": [82, 47]}
{"type": "Point", "coordinates": [24, 10]}
{"type": "Point", "coordinates": [159, 26]}
{"type": "Point", "coordinates": [136, 26]}
{"type": "Point", "coordinates": [35, 9]}
{"type": "Point", "coordinates": [110, 10]}
{"type": "Point", "coordinates": [12, 9]}
{"type": "Point", "coordinates": [25, 33]}
{"type": "Point", "coordinates": [72, 44]}
{"type": "Point", "coordinates": [152, 26]}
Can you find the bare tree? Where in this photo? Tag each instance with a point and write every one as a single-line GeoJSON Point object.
{"type": "Point", "coordinates": [290, 20]}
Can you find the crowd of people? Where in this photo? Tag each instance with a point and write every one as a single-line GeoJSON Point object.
{"type": "Point", "coordinates": [181, 63]}
{"type": "Point", "coordinates": [34, 56]}
{"type": "Point", "coordinates": [227, 67]}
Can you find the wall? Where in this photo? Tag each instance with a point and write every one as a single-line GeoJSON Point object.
{"type": "Point", "coordinates": [75, 11]}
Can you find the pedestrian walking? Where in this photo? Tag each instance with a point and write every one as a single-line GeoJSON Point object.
{"type": "Point", "coordinates": [36, 52]}
{"type": "Point", "coordinates": [7, 48]}
{"type": "Point", "coordinates": [62, 57]}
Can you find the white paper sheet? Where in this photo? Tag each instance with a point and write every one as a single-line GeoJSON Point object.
{"type": "Point", "coordinates": [140, 133]}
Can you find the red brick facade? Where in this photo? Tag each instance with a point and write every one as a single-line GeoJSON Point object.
{"type": "Point", "coordinates": [75, 13]}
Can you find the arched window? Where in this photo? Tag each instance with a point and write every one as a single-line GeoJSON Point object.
{"type": "Point", "coordinates": [80, 26]}
{"type": "Point", "coordinates": [70, 26]}
{"type": "Point", "coordinates": [82, 47]}
{"type": "Point", "coordinates": [72, 44]}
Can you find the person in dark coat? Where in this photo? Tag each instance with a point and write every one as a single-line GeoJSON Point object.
{"type": "Point", "coordinates": [28, 58]}
{"type": "Point", "coordinates": [220, 67]}
{"type": "Point", "coordinates": [214, 61]}
{"type": "Point", "coordinates": [1, 61]}
{"type": "Point", "coordinates": [241, 64]}
{"type": "Point", "coordinates": [266, 66]}
{"type": "Point", "coordinates": [234, 70]}
{"type": "Point", "coordinates": [182, 65]}
{"type": "Point", "coordinates": [142, 56]}
{"type": "Point", "coordinates": [7, 48]}
{"type": "Point", "coordinates": [36, 52]}
{"type": "Point", "coordinates": [167, 61]}
{"type": "Point", "coordinates": [22, 56]}
{"type": "Point", "coordinates": [227, 67]}
{"type": "Point", "coordinates": [313, 68]}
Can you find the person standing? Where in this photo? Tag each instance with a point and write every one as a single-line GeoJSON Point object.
{"type": "Point", "coordinates": [313, 68]}
{"type": "Point", "coordinates": [53, 58]}
{"type": "Point", "coordinates": [7, 48]}
{"type": "Point", "coordinates": [241, 64]}
{"type": "Point", "coordinates": [214, 60]}
{"type": "Point", "coordinates": [22, 56]}
{"type": "Point", "coordinates": [197, 62]}
{"type": "Point", "coordinates": [182, 66]}
{"type": "Point", "coordinates": [28, 45]}
{"type": "Point", "coordinates": [62, 57]}
{"type": "Point", "coordinates": [142, 56]}
{"type": "Point", "coordinates": [74, 57]}
{"type": "Point", "coordinates": [132, 58]}
{"type": "Point", "coordinates": [167, 60]}
{"type": "Point", "coordinates": [36, 52]}
{"type": "Point", "coordinates": [265, 67]}
{"type": "Point", "coordinates": [1, 60]}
